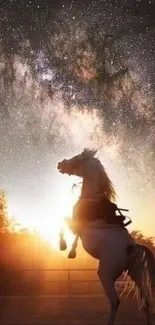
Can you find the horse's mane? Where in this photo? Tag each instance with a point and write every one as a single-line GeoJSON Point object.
{"type": "Point", "coordinates": [88, 153]}
{"type": "Point", "coordinates": [106, 184]}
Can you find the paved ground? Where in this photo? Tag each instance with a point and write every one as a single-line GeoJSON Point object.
{"type": "Point", "coordinates": [54, 310]}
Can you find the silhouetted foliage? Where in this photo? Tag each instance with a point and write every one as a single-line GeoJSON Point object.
{"type": "Point", "coordinates": [4, 220]}
{"type": "Point", "coordinates": [141, 239]}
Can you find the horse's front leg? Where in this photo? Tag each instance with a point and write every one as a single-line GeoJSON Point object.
{"type": "Point", "coordinates": [110, 291]}
{"type": "Point", "coordinates": [62, 242]}
{"type": "Point", "coordinates": [72, 253]}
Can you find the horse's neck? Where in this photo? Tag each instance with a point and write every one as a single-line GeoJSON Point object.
{"type": "Point", "coordinates": [92, 183]}
{"type": "Point", "coordinates": [91, 187]}
{"type": "Point", "coordinates": [90, 190]}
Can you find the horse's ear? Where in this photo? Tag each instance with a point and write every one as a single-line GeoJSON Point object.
{"type": "Point", "coordinates": [84, 152]}
{"type": "Point", "coordinates": [94, 152]}
{"type": "Point", "coordinates": [88, 153]}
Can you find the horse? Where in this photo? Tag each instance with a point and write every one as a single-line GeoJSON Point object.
{"type": "Point", "coordinates": [105, 237]}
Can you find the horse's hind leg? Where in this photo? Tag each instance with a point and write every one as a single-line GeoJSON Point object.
{"type": "Point", "coordinates": [146, 307]}
{"type": "Point", "coordinates": [147, 313]}
{"type": "Point", "coordinates": [150, 316]}
{"type": "Point", "coordinates": [137, 277]}
{"type": "Point", "coordinates": [109, 287]}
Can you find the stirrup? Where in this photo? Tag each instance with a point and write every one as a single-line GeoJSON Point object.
{"type": "Point", "coordinates": [127, 223]}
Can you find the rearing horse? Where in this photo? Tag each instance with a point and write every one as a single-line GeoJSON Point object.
{"type": "Point", "coordinates": [105, 239]}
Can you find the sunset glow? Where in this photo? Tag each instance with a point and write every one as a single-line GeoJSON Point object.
{"type": "Point", "coordinates": [47, 215]}
{"type": "Point", "coordinates": [49, 223]}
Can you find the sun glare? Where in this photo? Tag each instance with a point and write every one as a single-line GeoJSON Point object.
{"type": "Point", "coordinates": [49, 220]}
{"type": "Point", "coordinates": [60, 208]}
{"type": "Point", "coordinates": [47, 216]}
{"type": "Point", "coordinates": [52, 225]}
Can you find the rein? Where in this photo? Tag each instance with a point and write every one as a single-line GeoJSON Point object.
{"type": "Point", "coordinates": [86, 197]}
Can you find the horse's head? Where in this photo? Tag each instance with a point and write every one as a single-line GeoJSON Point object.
{"type": "Point", "coordinates": [87, 166]}
{"type": "Point", "coordinates": [74, 165]}
{"type": "Point", "coordinates": [64, 166]}
{"type": "Point", "coordinates": [70, 166]}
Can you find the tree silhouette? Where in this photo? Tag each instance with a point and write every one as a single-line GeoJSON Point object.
{"type": "Point", "coordinates": [4, 218]}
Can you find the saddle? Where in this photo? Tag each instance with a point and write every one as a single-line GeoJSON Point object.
{"type": "Point", "coordinates": [85, 211]}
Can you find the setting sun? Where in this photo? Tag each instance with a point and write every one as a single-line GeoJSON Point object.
{"type": "Point", "coordinates": [50, 219]}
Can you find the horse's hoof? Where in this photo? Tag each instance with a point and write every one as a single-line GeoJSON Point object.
{"type": "Point", "coordinates": [72, 254]}
{"type": "Point", "coordinates": [151, 319]}
{"type": "Point", "coordinates": [63, 245]}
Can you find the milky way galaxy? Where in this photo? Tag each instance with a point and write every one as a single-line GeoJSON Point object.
{"type": "Point", "coordinates": [71, 76]}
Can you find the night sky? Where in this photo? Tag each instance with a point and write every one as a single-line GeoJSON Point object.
{"type": "Point", "coordinates": [77, 74]}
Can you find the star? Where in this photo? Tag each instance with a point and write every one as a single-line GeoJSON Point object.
{"type": "Point", "coordinates": [71, 75]}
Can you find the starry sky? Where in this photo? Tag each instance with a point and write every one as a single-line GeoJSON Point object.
{"type": "Point", "coordinates": [76, 74]}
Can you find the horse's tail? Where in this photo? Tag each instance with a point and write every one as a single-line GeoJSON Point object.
{"type": "Point", "coordinates": [141, 269]}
